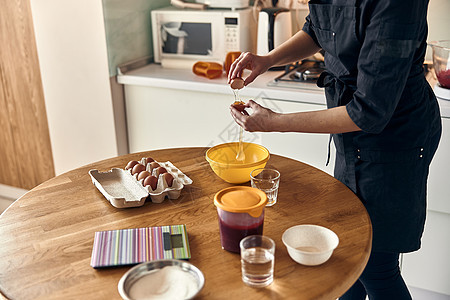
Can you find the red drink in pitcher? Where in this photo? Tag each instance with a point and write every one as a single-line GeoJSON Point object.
{"type": "Point", "coordinates": [241, 213]}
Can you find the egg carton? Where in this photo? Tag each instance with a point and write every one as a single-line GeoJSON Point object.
{"type": "Point", "coordinates": [122, 189]}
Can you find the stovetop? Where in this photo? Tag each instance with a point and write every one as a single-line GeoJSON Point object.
{"type": "Point", "coordinates": [300, 75]}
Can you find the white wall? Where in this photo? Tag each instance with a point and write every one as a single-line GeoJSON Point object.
{"type": "Point", "coordinates": [128, 30]}
{"type": "Point", "coordinates": [71, 46]}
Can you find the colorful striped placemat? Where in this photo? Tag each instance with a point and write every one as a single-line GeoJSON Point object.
{"type": "Point", "coordinates": [132, 246]}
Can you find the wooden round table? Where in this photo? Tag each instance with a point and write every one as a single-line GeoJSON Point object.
{"type": "Point", "coordinates": [46, 236]}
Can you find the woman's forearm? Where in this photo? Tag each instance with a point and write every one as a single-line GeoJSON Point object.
{"type": "Point", "coordinates": [334, 120]}
{"type": "Point", "coordinates": [298, 47]}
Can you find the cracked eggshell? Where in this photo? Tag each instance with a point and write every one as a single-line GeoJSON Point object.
{"type": "Point", "coordinates": [237, 83]}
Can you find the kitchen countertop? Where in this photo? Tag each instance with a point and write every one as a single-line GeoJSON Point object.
{"type": "Point", "coordinates": [153, 75]}
{"type": "Point", "coordinates": [184, 79]}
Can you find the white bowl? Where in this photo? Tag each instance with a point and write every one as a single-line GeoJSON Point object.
{"type": "Point", "coordinates": [310, 245]}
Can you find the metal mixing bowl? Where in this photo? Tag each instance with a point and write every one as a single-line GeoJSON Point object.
{"type": "Point", "coordinates": [146, 268]}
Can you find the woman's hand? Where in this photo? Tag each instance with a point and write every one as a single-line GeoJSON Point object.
{"type": "Point", "coordinates": [298, 47]}
{"type": "Point", "coordinates": [262, 119]}
{"type": "Point", "coordinates": [333, 120]}
{"type": "Point", "coordinates": [257, 64]}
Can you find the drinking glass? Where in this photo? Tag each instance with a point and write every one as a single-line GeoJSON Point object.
{"type": "Point", "coordinates": [268, 181]}
{"type": "Point", "coordinates": [257, 260]}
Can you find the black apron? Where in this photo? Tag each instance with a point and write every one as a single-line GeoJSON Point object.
{"type": "Point", "coordinates": [387, 170]}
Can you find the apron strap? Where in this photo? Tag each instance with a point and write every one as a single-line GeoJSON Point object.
{"type": "Point", "coordinates": [329, 152]}
{"type": "Point", "coordinates": [338, 93]}
{"type": "Point", "coordinates": [325, 80]}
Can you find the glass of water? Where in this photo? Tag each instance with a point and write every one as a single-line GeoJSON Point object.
{"type": "Point", "coordinates": [257, 260]}
{"type": "Point", "coordinates": [268, 181]}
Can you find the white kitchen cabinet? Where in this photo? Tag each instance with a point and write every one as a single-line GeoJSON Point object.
{"type": "Point", "coordinates": [167, 118]}
{"type": "Point", "coordinates": [429, 268]}
{"type": "Point", "coordinates": [438, 186]}
{"type": "Point", "coordinates": [305, 147]}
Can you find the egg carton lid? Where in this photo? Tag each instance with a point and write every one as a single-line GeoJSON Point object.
{"type": "Point", "coordinates": [123, 190]}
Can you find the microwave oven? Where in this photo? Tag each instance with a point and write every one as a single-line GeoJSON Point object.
{"type": "Point", "coordinates": [182, 37]}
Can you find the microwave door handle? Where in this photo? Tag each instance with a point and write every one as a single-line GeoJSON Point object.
{"type": "Point", "coordinates": [182, 4]}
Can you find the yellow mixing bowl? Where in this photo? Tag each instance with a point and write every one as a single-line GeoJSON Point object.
{"type": "Point", "coordinates": [222, 159]}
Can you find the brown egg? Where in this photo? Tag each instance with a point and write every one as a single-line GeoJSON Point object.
{"type": "Point", "coordinates": [143, 175]}
{"type": "Point", "coordinates": [160, 170]}
{"type": "Point", "coordinates": [237, 83]}
{"type": "Point", "coordinates": [239, 105]}
{"type": "Point", "coordinates": [138, 168]}
{"type": "Point", "coordinates": [149, 160]}
{"type": "Point", "coordinates": [168, 178]}
{"type": "Point", "coordinates": [131, 164]}
{"type": "Point", "coordinates": [154, 165]}
{"type": "Point", "coordinates": [152, 181]}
